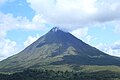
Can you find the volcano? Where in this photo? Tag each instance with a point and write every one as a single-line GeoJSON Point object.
{"type": "Point", "coordinates": [57, 49]}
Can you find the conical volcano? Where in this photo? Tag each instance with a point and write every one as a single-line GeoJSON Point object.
{"type": "Point", "coordinates": [55, 49]}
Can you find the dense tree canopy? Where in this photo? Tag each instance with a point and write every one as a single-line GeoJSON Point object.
{"type": "Point", "coordinates": [59, 75]}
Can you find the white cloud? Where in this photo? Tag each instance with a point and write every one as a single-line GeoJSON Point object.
{"type": "Point", "coordinates": [81, 32]}
{"type": "Point", "coordinates": [116, 45]}
{"type": "Point", "coordinates": [9, 22]}
{"type": "Point", "coordinates": [72, 14]}
{"type": "Point", "coordinates": [113, 50]}
{"type": "Point", "coordinates": [7, 48]}
{"type": "Point", "coordinates": [30, 40]}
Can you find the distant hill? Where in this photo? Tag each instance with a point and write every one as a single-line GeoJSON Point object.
{"type": "Point", "coordinates": [57, 50]}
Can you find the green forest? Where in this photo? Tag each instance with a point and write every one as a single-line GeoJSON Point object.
{"type": "Point", "coordinates": [30, 74]}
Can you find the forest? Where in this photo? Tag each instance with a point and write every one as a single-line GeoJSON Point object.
{"type": "Point", "coordinates": [30, 74]}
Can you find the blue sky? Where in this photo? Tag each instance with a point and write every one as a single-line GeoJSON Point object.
{"type": "Point", "coordinates": [93, 21]}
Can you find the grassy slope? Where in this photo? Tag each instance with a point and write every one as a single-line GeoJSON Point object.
{"type": "Point", "coordinates": [99, 68]}
{"type": "Point", "coordinates": [85, 68]}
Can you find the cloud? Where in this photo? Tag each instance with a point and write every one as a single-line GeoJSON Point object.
{"type": "Point", "coordinates": [9, 22]}
{"type": "Point", "coordinates": [81, 32]}
{"type": "Point", "coordinates": [116, 45]}
{"type": "Point", "coordinates": [73, 14]}
{"type": "Point", "coordinates": [7, 48]}
{"type": "Point", "coordinates": [30, 40]}
{"type": "Point", "coordinates": [113, 50]}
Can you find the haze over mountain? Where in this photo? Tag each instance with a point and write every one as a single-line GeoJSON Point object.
{"type": "Point", "coordinates": [55, 49]}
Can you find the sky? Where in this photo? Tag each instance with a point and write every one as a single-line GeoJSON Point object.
{"type": "Point", "coordinates": [96, 22]}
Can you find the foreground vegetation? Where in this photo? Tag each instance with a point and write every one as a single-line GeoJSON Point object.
{"type": "Point", "coordinates": [30, 74]}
